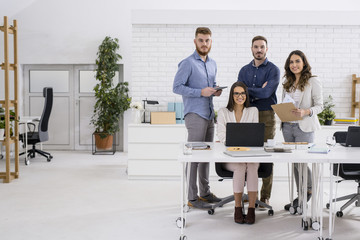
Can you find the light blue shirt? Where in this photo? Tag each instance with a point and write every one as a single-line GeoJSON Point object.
{"type": "Point", "coordinates": [193, 75]}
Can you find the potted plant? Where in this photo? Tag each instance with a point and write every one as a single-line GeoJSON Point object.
{"type": "Point", "coordinates": [2, 129]}
{"type": "Point", "coordinates": [111, 101]}
{"type": "Point", "coordinates": [2, 123]}
{"type": "Point", "coordinates": [327, 115]}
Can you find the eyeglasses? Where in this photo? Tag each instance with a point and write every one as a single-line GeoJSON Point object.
{"type": "Point", "coordinates": [243, 94]}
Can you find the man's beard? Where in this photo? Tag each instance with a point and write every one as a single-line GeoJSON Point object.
{"type": "Point", "coordinates": [202, 53]}
{"type": "Point", "coordinates": [259, 58]}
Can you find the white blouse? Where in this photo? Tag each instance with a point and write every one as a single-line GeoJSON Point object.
{"type": "Point", "coordinates": [250, 114]}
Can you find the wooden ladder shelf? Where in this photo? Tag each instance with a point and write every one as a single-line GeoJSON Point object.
{"type": "Point", "coordinates": [355, 104]}
{"type": "Point", "coordinates": [8, 103]}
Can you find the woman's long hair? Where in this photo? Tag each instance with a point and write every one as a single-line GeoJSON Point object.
{"type": "Point", "coordinates": [231, 102]}
{"type": "Point", "coordinates": [290, 77]}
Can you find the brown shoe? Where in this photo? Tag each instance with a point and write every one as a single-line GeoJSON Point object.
{"type": "Point", "coordinates": [264, 200]}
{"type": "Point", "coordinates": [250, 217]}
{"type": "Point", "coordinates": [238, 215]}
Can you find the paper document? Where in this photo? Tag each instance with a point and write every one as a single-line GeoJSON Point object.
{"type": "Point", "coordinates": [283, 110]}
{"type": "Point", "coordinates": [198, 145]}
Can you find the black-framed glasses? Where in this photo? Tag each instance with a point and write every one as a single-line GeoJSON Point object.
{"type": "Point", "coordinates": [243, 94]}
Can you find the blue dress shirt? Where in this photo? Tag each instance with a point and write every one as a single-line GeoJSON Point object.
{"type": "Point", "coordinates": [254, 77]}
{"type": "Point", "coordinates": [193, 75]}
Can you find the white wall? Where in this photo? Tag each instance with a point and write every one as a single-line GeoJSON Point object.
{"type": "Point", "coordinates": [69, 31]}
{"type": "Point", "coordinates": [333, 53]}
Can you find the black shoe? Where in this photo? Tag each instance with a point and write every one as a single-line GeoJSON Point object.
{"type": "Point", "coordinates": [296, 202]}
{"type": "Point", "coordinates": [211, 198]}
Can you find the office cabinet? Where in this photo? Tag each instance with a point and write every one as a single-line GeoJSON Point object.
{"type": "Point", "coordinates": [153, 150]}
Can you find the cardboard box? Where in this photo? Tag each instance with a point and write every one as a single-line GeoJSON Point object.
{"type": "Point", "coordinates": [162, 118]}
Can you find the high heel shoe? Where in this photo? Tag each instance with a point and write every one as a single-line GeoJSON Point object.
{"type": "Point", "coordinates": [238, 215]}
{"type": "Point", "coordinates": [250, 217]}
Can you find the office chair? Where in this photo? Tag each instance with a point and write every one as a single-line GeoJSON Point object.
{"type": "Point", "coordinates": [264, 171]}
{"type": "Point", "coordinates": [347, 171]}
{"type": "Point", "coordinates": [42, 134]}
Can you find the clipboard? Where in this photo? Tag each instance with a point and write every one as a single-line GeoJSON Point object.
{"type": "Point", "coordinates": [283, 110]}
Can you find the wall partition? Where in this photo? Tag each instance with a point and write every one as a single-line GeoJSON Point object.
{"type": "Point", "coordinates": [69, 127]}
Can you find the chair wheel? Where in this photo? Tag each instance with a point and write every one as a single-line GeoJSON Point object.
{"type": "Point", "coordinates": [211, 211]}
{"type": "Point", "coordinates": [178, 222]}
{"type": "Point", "coordinates": [357, 204]}
{"type": "Point", "coordinates": [328, 205]}
{"type": "Point", "coordinates": [292, 210]}
{"type": "Point", "coordinates": [271, 212]}
{"type": "Point", "coordinates": [48, 159]}
{"type": "Point", "coordinates": [339, 214]}
{"type": "Point", "coordinates": [27, 162]}
{"type": "Point", "coordinates": [304, 225]}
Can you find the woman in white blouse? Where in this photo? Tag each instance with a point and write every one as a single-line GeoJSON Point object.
{"type": "Point", "coordinates": [238, 110]}
{"type": "Point", "coordinates": [305, 91]}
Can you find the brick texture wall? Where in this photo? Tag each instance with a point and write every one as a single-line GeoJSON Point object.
{"type": "Point", "coordinates": [333, 52]}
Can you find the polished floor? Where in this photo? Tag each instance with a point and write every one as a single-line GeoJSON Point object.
{"type": "Point", "coordinates": [81, 196]}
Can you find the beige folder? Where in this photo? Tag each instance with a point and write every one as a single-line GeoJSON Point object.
{"type": "Point", "coordinates": [283, 110]}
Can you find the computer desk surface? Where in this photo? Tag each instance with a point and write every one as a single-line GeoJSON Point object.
{"type": "Point", "coordinates": [337, 154]}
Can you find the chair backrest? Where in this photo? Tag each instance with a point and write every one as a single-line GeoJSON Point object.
{"type": "Point", "coordinates": [264, 170]}
{"type": "Point", "coordinates": [347, 171]}
{"type": "Point", "coordinates": [45, 116]}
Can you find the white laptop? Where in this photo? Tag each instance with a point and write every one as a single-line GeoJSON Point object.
{"type": "Point", "coordinates": [251, 153]}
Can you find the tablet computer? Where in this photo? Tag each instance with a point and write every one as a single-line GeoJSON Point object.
{"type": "Point", "coordinates": [219, 88]}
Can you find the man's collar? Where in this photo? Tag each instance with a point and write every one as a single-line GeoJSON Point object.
{"type": "Point", "coordinates": [264, 63]}
{"type": "Point", "coordinates": [197, 56]}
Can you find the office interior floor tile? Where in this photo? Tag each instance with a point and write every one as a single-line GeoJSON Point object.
{"type": "Point", "coordinates": [81, 196]}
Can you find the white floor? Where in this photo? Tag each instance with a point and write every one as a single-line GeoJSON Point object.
{"type": "Point", "coordinates": [81, 196]}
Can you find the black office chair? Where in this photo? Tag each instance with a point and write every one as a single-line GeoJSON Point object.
{"type": "Point", "coordinates": [42, 134]}
{"type": "Point", "coordinates": [264, 171]}
{"type": "Point", "coordinates": [347, 171]}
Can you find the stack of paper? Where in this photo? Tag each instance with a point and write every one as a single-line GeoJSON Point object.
{"type": "Point", "coordinates": [198, 146]}
{"type": "Point", "coordinates": [319, 149]}
{"type": "Point", "coordinates": [346, 120]}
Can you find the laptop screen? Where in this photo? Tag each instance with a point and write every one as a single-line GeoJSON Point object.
{"type": "Point", "coordinates": [353, 137]}
{"type": "Point", "coordinates": [245, 134]}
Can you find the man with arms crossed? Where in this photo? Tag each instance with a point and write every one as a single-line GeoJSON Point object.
{"type": "Point", "coordinates": [262, 78]}
{"type": "Point", "coordinates": [195, 81]}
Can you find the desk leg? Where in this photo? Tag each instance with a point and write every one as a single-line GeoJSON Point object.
{"type": "Point", "coordinates": [305, 224]}
{"type": "Point", "coordinates": [331, 210]}
{"type": "Point", "coordinates": [321, 199]}
{"type": "Point", "coordinates": [26, 145]}
{"type": "Point", "coordinates": [180, 222]}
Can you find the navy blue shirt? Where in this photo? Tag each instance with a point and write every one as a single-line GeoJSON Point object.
{"type": "Point", "coordinates": [193, 75]}
{"type": "Point", "coordinates": [254, 78]}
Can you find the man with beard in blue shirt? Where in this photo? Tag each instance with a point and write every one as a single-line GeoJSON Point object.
{"type": "Point", "coordinates": [262, 78]}
{"type": "Point", "coordinates": [195, 81]}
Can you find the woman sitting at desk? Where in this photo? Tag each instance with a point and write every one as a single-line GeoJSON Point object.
{"type": "Point", "coordinates": [305, 91]}
{"type": "Point", "coordinates": [238, 110]}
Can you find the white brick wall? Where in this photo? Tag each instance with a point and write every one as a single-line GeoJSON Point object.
{"type": "Point", "coordinates": [333, 52]}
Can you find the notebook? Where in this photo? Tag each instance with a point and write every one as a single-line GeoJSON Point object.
{"type": "Point", "coordinates": [251, 153]}
{"type": "Point", "coordinates": [352, 137]}
{"type": "Point", "coordinates": [245, 134]}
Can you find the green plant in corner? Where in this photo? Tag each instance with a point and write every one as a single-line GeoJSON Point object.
{"type": "Point", "coordinates": [327, 115]}
{"type": "Point", "coordinates": [111, 101]}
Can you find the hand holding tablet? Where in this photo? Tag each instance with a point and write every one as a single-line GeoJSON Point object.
{"type": "Point", "coordinates": [219, 88]}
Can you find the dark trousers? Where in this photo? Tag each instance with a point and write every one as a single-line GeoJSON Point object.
{"type": "Point", "coordinates": [268, 118]}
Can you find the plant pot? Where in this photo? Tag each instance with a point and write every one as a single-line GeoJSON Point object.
{"type": "Point", "coordinates": [2, 132]}
{"type": "Point", "coordinates": [328, 122]}
{"type": "Point", "coordinates": [103, 143]}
